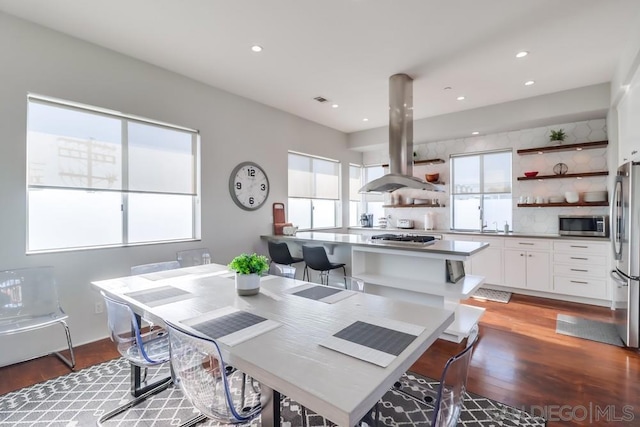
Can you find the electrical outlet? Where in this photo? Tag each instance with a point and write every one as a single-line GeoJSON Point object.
{"type": "Point", "coordinates": [99, 307]}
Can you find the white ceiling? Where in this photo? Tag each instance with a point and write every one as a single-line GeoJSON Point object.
{"type": "Point", "coordinates": [345, 50]}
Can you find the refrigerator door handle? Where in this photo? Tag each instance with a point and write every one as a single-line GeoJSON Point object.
{"type": "Point", "coordinates": [617, 219]}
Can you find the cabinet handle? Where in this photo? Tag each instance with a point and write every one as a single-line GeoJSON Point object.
{"type": "Point", "coordinates": [577, 269]}
{"type": "Point", "coordinates": [584, 259]}
{"type": "Point", "coordinates": [521, 254]}
{"type": "Point", "coordinates": [530, 255]}
{"type": "Point", "coordinates": [577, 246]}
{"type": "Point", "coordinates": [524, 243]}
{"type": "Point", "coordinates": [579, 282]}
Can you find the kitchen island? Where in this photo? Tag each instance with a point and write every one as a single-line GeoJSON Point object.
{"type": "Point", "coordinates": [405, 270]}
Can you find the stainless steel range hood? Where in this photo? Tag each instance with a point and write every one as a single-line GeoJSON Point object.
{"type": "Point", "coordinates": [400, 141]}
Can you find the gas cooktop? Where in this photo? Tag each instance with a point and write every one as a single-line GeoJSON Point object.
{"type": "Point", "coordinates": [403, 238]}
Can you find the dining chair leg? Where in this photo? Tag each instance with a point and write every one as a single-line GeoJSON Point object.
{"type": "Point", "coordinates": [130, 404]}
{"type": "Point", "coordinates": [71, 363]}
{"type": "Point", "coordinates": [344, 272]}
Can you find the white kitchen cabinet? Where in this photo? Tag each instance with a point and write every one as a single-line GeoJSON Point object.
{"type": "Point", "coordinates": [580, 268]}
{"type": "Point", "coordinates": [489, 262]}
{"type": "Point", "coordinates": [628, 125]}
{"type": "Point", "coordinates": [527, 264]}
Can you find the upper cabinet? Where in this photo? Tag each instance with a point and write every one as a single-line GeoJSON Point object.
{"type": "Point", "coordinates": [629, 123]}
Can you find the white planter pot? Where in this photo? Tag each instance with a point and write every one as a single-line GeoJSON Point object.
{"type": "Point", "coordinates": [247, 284]}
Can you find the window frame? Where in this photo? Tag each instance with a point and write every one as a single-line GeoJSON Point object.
{"type": "Point", "coordinates": [337, 207]}
{"type": "Point", "coordinates": [481, 185]}
{"type": "Point", "coordinates": [124, 191]}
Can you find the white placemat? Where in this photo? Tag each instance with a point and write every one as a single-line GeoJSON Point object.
{"type": "Point", "coordinates": [330, 299]}
{"type": "Point", "coordinates": [369, 354]}
{"type": "Point", "coordinates": [254, 326]}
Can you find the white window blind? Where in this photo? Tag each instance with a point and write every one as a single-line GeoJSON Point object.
{"type": "Point", "coordinates": [313, 178]}
{"type": "Point", "coordinates": [97, 178]}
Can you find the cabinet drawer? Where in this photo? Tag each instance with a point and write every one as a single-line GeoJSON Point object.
{"type": "Point", "coordinates": [528, 244]}
{"type": "Point", "coordinates": [590, 288]}
{"type": "Point", "coordinates": [580, 270]}
{"type": "Point", "coordinates": [579, 259]}
{"type": "Point", "coordinates": [577, 247]}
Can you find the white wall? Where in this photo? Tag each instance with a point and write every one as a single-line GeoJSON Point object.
{"type": "Point", "coordinates": [585, 103]}
{"type": "Point", "coordinates": [233, 129]}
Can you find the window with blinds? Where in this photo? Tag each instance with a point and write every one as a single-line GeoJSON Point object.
{"type": "Point", "coordinates": [314, 191]}
{"type": "Point", "coordinates": [481, 190]}
{"type": "Point", "coordinates": [355, 198]}
{"type": "Point", "coordinates": [101, 178]}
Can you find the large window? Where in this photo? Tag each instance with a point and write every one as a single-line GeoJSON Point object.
{"type": "Point", "coordinates": [100, 178]}
{"type": "Point", "coordinates": [314, 191]}
{"type": "Point", "coordinates": [373, 202]}
{"type": "Point", "coordinates": [481, 191]}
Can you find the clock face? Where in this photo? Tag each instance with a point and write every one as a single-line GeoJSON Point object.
{"type": "Point", "coordinates": [249, 186]}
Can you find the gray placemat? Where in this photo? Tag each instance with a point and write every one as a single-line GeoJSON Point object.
{"type": "Point", "coordinates": [227, 324]}
{"type": "Point", "coordinates": [376, 337]}
{"type": "Point", "coordinates": [317, 292]}
{"type": "Point", "coordinates": [593, 330]}
{"type": "Point", "coordinates": [156, 294]}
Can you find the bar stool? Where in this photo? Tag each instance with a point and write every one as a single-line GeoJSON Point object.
{"type": "Point", "coordinates": [279, 254]}
{"type": "Point", "coordinates": [315, 258]}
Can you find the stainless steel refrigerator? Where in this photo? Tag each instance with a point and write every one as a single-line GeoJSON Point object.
{"type": "Point", "coordinates": [625, 218]}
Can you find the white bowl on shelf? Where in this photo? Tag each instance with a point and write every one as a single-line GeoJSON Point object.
{"type": "Point", "coordinates": [572, 197]}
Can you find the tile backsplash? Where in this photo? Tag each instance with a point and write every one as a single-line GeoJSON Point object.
{"type": "Point", "coordinates": [525, 219]}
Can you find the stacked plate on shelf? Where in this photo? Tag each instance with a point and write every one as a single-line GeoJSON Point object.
{"type": "Point", "coordinates": [556, 199]}
{"type": "Point", "coordinates": [595, 196]}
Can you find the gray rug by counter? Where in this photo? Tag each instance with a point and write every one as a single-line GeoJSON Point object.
{"type": "Point", "coordinates": [78, 399]}
{"type": "Point", "coordinates": [588, 329]}
{"type": "Point", "coordinates": [484, 294]}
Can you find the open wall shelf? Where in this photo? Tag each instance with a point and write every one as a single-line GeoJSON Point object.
{"type": "Point", "coordinates": [421, 162]}
{"type": "Point", "coordinates": [566, 175]}
{"type": "Point", "coordinates": [563, 205]}
{"type": "Point", "coordinates": [564, 147]}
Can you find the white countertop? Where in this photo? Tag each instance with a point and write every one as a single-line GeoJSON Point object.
{"type": "Point", "coordinates": [476, 233]}
{"type": "Point", "coordinates": [448, 247]}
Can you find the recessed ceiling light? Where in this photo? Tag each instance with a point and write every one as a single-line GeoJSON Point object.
{"type": "Point", "coordinates": [256, 48]}
{"type": "Point", "coordinates": [365, 120]}
{"type": "Point", "coordinates": [475, 133]}
{"type": "Point", "coordinates": [522, 54]}
{"type": "Point", "coordinates": [334, 105]}
{"type": "Point", "coordinates": [529, 82]}
{"type": "Point", "coordinates": [460, 98]}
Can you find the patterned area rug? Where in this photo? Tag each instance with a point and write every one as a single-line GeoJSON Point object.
{"type": "Point", "coordinates": [593, 330]}
{"type": "Point", "coordinates": [484, 294]}
{"type": "Point", "coordinates": [80, 398]}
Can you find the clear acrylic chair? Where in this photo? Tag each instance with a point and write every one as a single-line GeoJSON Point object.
{"type": "Point", "coordinates": [346, 282]}
{"type": "Point", "coordinates": [29, 301]}
{"type": "Point", "coordinates": [193, 257]}
{"type": "Point", "coordinates": [154, 267]}
{"type": "Point", "coordinates": [447, 400]}
{"type": "Point", "coordinates": [142, 349]}
{"type": "Point", "coordinates": [202, 374]}
{"type": "Point", "coordinates": [282, 270]}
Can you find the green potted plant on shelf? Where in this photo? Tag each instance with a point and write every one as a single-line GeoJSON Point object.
{"type": "Point", "coordinates": [557, 136]}
{"type": "Point", "coordinates": [248, 270]}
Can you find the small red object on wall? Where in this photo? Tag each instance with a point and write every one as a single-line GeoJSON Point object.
{"type": "Point", "coordinates": [279, 219]}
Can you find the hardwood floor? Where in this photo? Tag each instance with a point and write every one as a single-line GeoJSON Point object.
{"type": "Point", "coordinates": [519, 361]}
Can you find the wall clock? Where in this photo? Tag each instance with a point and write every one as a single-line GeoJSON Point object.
{"type": "Point", "coordinates": [248, 186]}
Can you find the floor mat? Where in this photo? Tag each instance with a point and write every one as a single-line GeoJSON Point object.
{"type": "Point", "coordinates": [484, 294]}
{"type": "Point", "coordinates": [593, 330]}
{"type": "Point", "coordinates": [79, 398]}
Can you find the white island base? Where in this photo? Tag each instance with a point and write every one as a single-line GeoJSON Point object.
{"type": "Point", "coordinates": [419, 277]}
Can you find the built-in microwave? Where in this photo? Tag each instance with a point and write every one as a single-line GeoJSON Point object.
{"type": "Point", "coordinates": [583, 225]}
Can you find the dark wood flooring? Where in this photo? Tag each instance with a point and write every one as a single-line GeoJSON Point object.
{"type": "Point", "coordinates": [519, 361]}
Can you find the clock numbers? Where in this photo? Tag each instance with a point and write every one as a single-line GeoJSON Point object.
{"type": "Point", "coordinates": [249, 186]}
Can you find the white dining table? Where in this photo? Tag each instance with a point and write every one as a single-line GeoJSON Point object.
{"type": "Point", "coordinates": [298, 355]}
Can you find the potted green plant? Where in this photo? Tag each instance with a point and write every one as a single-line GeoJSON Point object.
{"type": "Point", "coordinates": [248, 270]}
{"type": "Point", "coordinates": [557, 136]}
